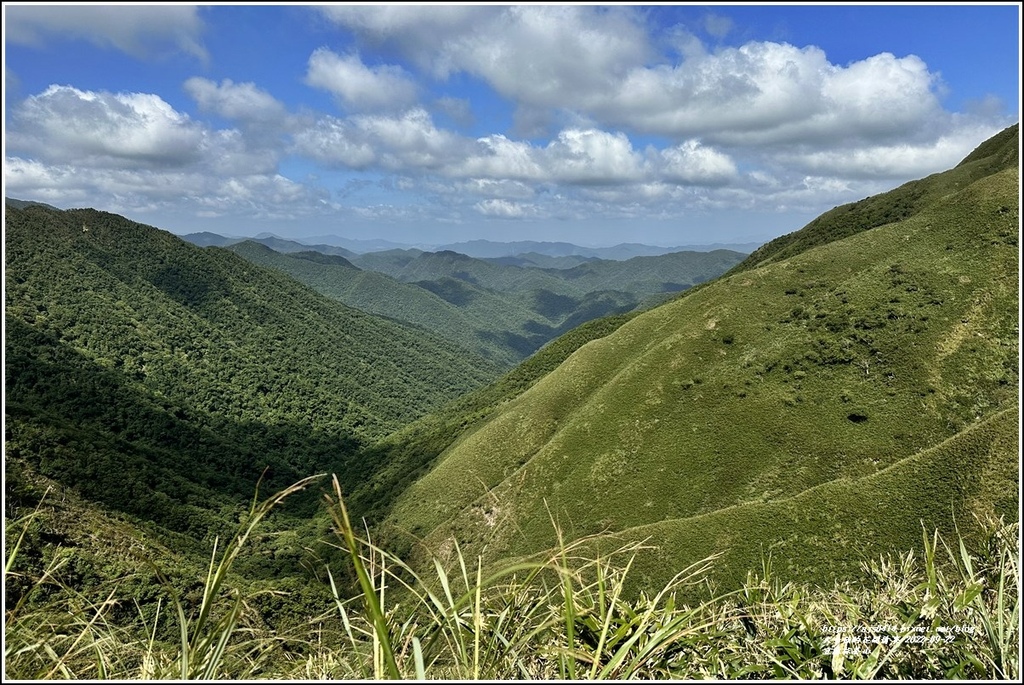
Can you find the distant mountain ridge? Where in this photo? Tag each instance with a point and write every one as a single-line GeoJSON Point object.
{"type": "Point", "coordinates": [22, 204]}
{"type": "Point", "coordinates": [480, 249]}
{"type": "Point", "coordinates": [491, 249]}
{"type": "Point", "coordinates": [502, 311]}
{"type": "Point", "coordinates": [207, 239]}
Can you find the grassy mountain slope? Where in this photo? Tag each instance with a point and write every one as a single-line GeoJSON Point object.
{"type": "Point", "coordinates": [161, 378]}
{"type": "Point", "coordinates": [402, 457]}
{"type": "Point", "coordinates": [824, 367]}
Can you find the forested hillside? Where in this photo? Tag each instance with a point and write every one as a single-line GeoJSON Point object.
{"type": "Point", "coordinates": [162, 379]}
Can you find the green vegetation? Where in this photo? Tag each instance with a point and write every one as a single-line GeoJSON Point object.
{"type": "Point", "coordinates": [880, 368]}
{"type": "Point", "coordinates": [380, 294]}
{"type": "Point", "coordinates": [162, 380]}
{"type": "Point", "coordinates": [941, 611]}
{"type": "Point", "coordinates": [404, 456]}
{"type": "Point", "coordinates": [501, 311]}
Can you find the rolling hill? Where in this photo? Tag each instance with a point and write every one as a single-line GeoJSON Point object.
{"type": "Point", "coordinates": [825, 400]}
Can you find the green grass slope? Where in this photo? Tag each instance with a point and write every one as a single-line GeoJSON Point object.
{"type": "Point", "coordinates": [829, 366]}
{"type": "Point", "coordinates": [401, 458]}
{"type": "Point", "coordinates": [161, 378]}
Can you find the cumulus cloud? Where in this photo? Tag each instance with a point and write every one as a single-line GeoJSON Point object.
{"type": "Point", "coordinates": [893, 161]}
{"type": "Point", "coordinates": [593, 156]}
{"type": "Point", "coordinates": [600, 63]}
{"type": "Point", "coordinates": [239, 101]}
{"type": "Point", "coordinates": [415, 31]}
{"type": "Point", "coordinates": [537, 55]}
{"type": "Point", "coordinates": [65, 124]}
{"type": "Point", "coordinates": [763, 126]}
{"type": "Point", "coordinates": [134, 152]}
{"type": "Point", "coordinates": [503, 189]}
{"type": "Point", "coordinates": [395, 142]}
{"type": "Point", "coordinates": [576, 156]}
{"type": "Point", "coordinates": [148, 190]}
{"type": "Point", "coordinates": [693, 163]}
{"type": "Point", "coordinates": [504, 209]}
{"type": "Point", "coordinates": [357, 86]}
{"type": "Point", "coordinates": [139, 30]}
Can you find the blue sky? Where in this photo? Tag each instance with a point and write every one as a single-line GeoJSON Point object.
{"type": "Point", "coordinates": [668, 124]}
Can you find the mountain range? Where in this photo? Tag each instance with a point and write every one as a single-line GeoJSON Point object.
{"type": "Point", "coordinates": [502, 311]}
{"type": "Point", "coordinates": [481, 249]}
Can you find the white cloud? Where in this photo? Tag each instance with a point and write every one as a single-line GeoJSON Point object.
{"type": "Point", "coordinates": [504, 209]}
{"type": "Point", "coordinates": [335, 142]}
{"type": "Point", "coordinates": [417, 31]}
{"type": "Point", "coordinates": [537, 55]}
{"type": "Point", "coordinates": [147, 190]}
{"type": "Point", "coordinates": [386, 21]}
{"type": "Point", "coordinates": [496, 156]}
{"type": "Point", "coordinates": [893, 161]}
{"type": "Point", "coordinates": [140, 31]}
{"type": "Point", "coordinates": [800, 126]}
{"type": "Point", "coordinates": [766, 93]}
{"type": "Point", "coordinates": [592, 156]}
{"type": "Point", "coordinates": [64, 124]}
{"type": "Point", "coordinates": [409, 141]}
{"type": "Point", "coordinates": [503, 189]}
{"type": "Point", "coordinates": [133, 152]}
{"type": "Point", "coordinates": [358, 87]}
{"type": "Point", "coordinates": [599, 63]}
{"type": "Point", "coordinates": [693, 163]}
{"type": "Point", "coordinates": [239, 101]}
{"type": "Point", "coordinates": [717, 25]}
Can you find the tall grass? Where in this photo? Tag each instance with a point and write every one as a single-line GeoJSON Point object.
{"type": "Point", "coordinates": [947, 610]}
{"type": "Point", "coordinates": [71, 636]}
